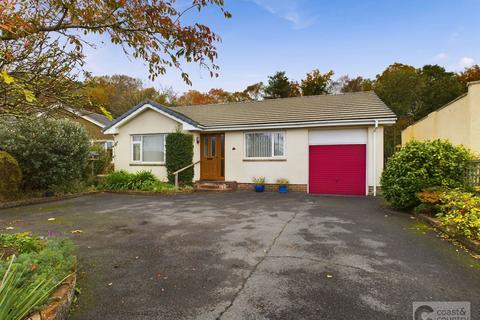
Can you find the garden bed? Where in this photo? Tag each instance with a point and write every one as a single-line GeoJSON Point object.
{"type": "Point", "coordinates": [143, 182]}
{"type": "Point", "coordinates": [38, 277]}
{"type": "Point", "coordinates": [470, 244]}
{"type": "Point", "coordinates": [454, 212]}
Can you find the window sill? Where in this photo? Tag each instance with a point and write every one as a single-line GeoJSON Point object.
{"type": "Point", "coordinates": [264, 159]}
{"type": "Point", "coordinates": [147, 164]}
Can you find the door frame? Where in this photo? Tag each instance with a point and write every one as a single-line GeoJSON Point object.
{"type": "Point", "coordinates": [212, 166]}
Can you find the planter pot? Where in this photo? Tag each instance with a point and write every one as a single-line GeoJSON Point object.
{"type": "Point", "coordinates": [283, 189]}
{"type": "Point", "coordinates": [259, 188]}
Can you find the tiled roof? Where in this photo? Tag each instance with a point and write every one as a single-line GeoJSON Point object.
{"type": "Point", "coordinates": [340, 107]}
{"type": "Point", "coordinates": [350, 106]}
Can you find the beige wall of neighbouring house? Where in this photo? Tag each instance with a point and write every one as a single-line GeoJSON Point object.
{"type": "Point", "coordinates": [147, 122]}
{"type": "Point", "coordinates": [458, 122]}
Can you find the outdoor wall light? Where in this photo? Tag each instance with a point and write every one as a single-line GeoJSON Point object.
{"type": "Point", "coordinates": [198, 140]}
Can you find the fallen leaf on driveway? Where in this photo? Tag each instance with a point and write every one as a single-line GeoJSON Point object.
{"type": "Point", "coordinates": [329, 276]}
{"type": "Point", "coordinates": [76, 231]}
{"type": "Point", "coordinates": [110, 283]}
{"type": "Point", "coordinates": [51, 219]}
{"type": "Point", "coordinates": [9, 228]}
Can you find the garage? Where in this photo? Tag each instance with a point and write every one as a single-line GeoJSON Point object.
{"type": "Point", "coordinates": [337, 161]}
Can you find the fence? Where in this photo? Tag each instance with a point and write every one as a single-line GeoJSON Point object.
{"type": "Point", "coordinates": [472, 174]}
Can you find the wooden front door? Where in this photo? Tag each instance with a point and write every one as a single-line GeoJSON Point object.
{"type": "Point", "coordinates": [212, 165]}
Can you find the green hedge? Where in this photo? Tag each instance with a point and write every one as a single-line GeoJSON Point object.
{"type": "Point", "coordinates": [420, 165]}
{"type": "Point", "coordinates": [179, 154]}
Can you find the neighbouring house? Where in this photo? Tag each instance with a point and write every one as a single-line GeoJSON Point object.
{"type": "Point", "coordinates": [457, 121]}
{"type": "Point", "coordinates": [329, 144]}
{"type": "Point", "coordinates": [94, 123]}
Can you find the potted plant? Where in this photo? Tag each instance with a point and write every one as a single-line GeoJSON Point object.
{"type": "Point", "coordinates": [259, 184]}
{"type": "Point", "coordinates": [282, 185]}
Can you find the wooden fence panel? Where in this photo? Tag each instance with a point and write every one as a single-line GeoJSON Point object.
{"type": "Point", "coordinates": [472, 175]}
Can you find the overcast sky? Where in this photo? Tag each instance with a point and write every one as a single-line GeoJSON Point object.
{"type": "Point", "coordinates": [354, 37]}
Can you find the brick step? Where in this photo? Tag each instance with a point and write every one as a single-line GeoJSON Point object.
{"type": "Point", "coordinates": [215, 186]}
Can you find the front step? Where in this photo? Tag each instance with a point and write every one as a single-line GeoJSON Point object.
{"type": "Point", "coordinates": [203, 185]}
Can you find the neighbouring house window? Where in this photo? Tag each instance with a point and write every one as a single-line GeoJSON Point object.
{"type": "Point", "coordinates": [265, 144]}
{"type": "Point", "coordinates": [148, 148]}
{"type": "Point", "coordinates": [105, 144]}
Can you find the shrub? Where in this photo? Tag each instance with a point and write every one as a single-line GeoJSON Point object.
{"type": "Point", "coordinates": [179, 154]}
{"type": "Point", "coordinates": [10, 173]}
{"type": "Point", "coordinates": [420, 165]}
{"type": "Point", "coordinates": [141, 181]}
{"type": "Point", "coordinates": [459, 212]}
{"type": "Point", "coordinates": [50, 152]}
{"type": "Point", "coordinates": [117, 180]}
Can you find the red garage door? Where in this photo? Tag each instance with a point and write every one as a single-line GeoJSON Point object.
{"type": "Point", "coordinates": [338, 169]}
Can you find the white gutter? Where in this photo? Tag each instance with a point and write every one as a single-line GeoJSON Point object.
{"type": "Point", "coordinates": [375, 159]}
{"type": "Point", "coordinates": [301, 124]}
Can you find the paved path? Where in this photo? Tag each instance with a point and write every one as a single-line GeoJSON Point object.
{"type": "Point", "coordinates": [251, 256]}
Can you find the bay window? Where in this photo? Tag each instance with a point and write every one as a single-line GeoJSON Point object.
{"type": "Point", "coordinates": [263, 145]}
{"type": "Point", "coordinates": [148, 148]}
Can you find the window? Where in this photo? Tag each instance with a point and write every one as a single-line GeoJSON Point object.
{"type": "Point", "coordinates": [265, 144]}
{"type": "Point", "coordinates": [148, 148]}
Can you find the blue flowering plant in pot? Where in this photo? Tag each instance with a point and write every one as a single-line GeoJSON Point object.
{"type": "Point", "coordinates": [259, 184]}
{"type": "Point", "coordinates": [282, 185]}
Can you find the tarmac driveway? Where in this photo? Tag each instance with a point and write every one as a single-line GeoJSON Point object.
{"type": "Point", "coordinates": [251, 256]}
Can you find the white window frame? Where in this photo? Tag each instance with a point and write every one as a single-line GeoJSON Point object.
{"type": "Point", "coordinates": [103, 143]}
{"type": "Point", "coordinates": [272, 134]}
{"type": "Point", "coordinates": [132, 143]}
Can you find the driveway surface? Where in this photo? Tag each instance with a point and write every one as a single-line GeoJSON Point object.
{"type": "Point", "coordinates": [251, 256]}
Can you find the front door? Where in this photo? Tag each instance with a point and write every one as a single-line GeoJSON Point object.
{"type": "Point", "coordinates": [212, 165]}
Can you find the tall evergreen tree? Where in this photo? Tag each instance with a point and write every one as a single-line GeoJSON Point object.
{"type": "Point", "coordinates": [279, 86]}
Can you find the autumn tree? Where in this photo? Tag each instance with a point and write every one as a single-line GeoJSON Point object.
{"type": "Point", "coordinates": [119, 93]}
{"type": "Point", "coordinates": [399, 86]}
{"type": "Point", "coordinates": [215, 95]}
{"type": "Point", "coordinates": [255, 91]}
{"type": "Point", "coordinates": [220, 96]}
{"type": "Point", "coordinates": [469, 75]}
{"type": "Point", "coordinates": [42, 44]}
{"type": "Point", "coordinates": [357, 84]}
{"type": "Point", "coordinates": [193, 97]}
{"type": "Point", "coordinates": [316, 83]}
{"type": "Point", "coordinates": [279, 86]}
